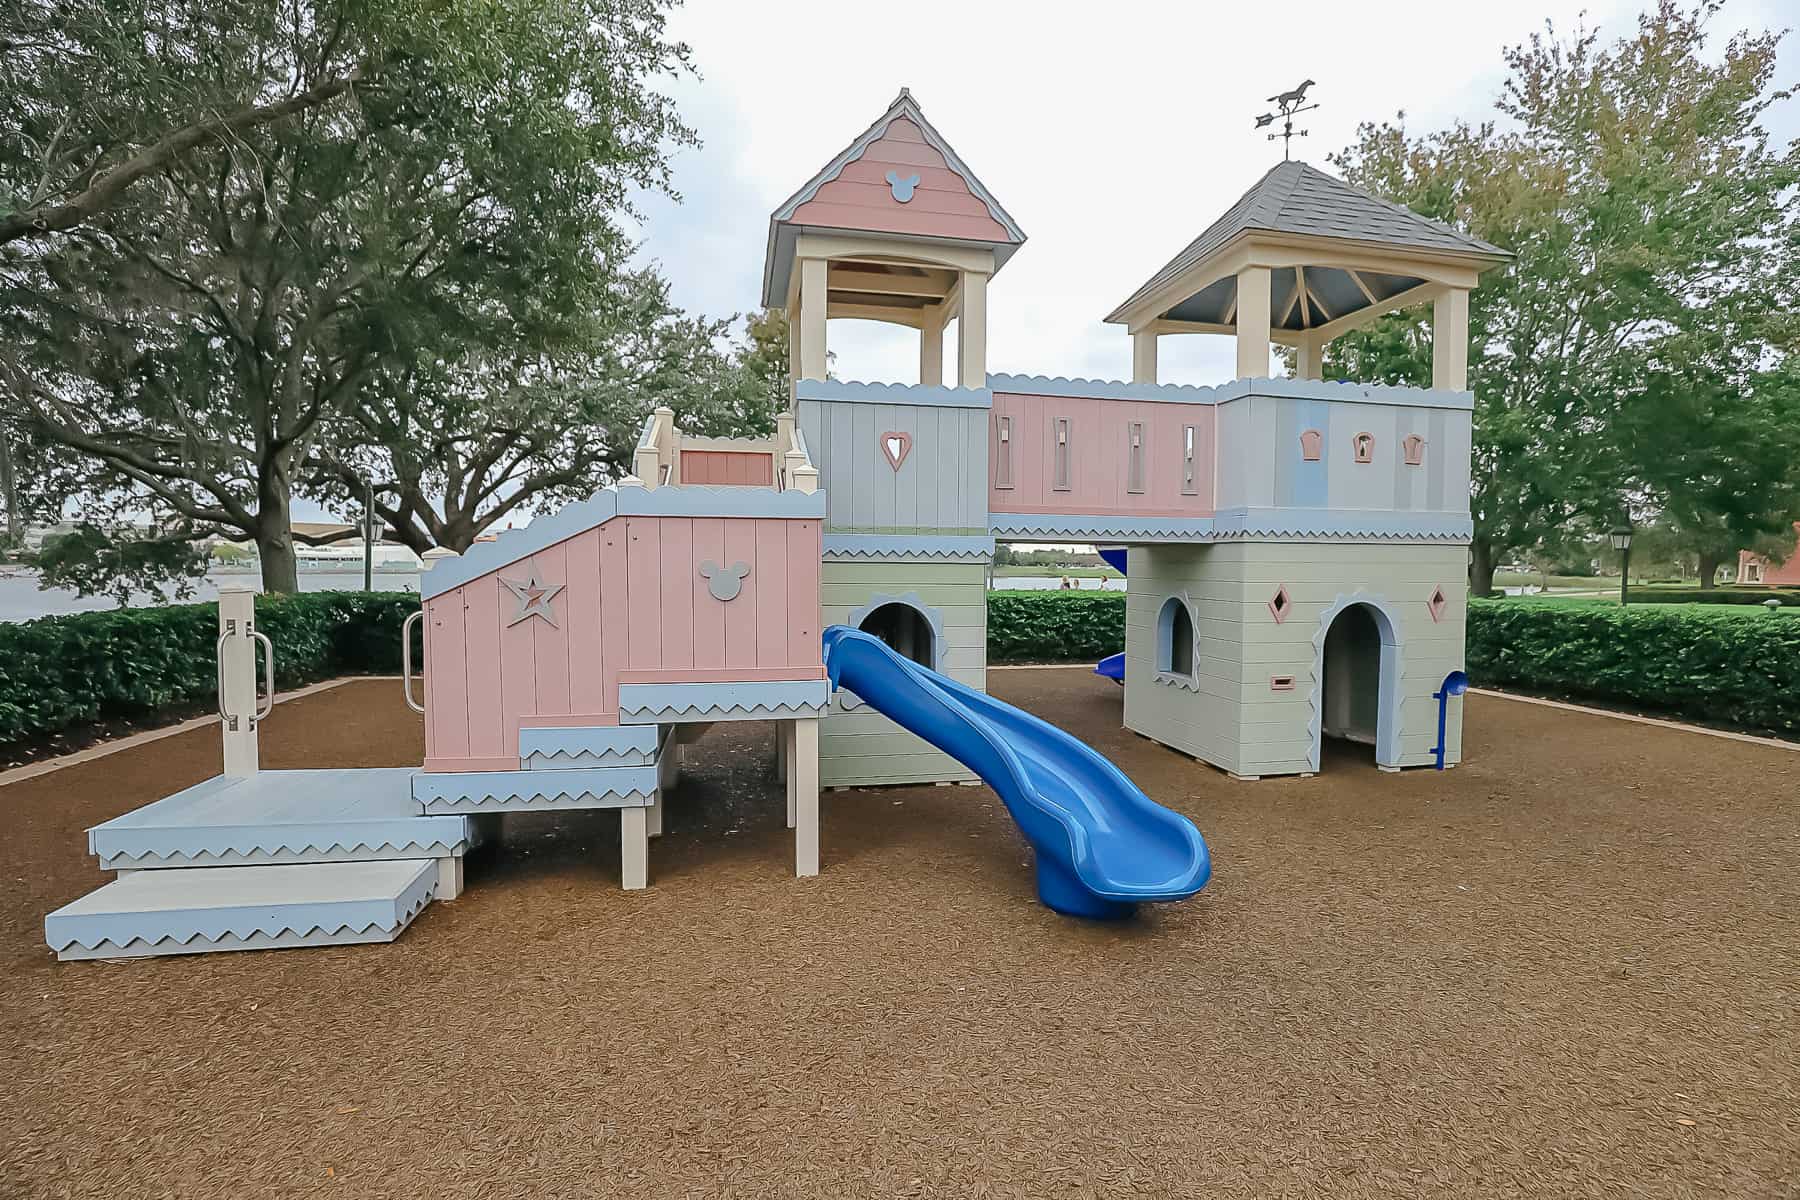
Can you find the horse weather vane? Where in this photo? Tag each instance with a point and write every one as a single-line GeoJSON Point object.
{"type": "Point", "coordinates": [1288, 105]}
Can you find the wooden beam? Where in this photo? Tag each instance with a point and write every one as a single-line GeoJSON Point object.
{"type": "Point", "coordinates": [1299, 291]}
{"type": "Point", "coordinates": [840, 311]}
{"type": "Point", "coordinates": [1167, 326]}
{"type": "Point", "coordinates": [1365, 316]}
{"type": "Point", "coordinates": [849, 279]}
{"type": "Point", "coordinates": [1357, 279]}
{"type": "Point", "coordinates": [1229, 318]}
{"type": "Point", "coordinates": [1318, 303]}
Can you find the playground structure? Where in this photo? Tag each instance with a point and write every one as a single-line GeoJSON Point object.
{"type": "Point", "coordinates": [1295, 554]}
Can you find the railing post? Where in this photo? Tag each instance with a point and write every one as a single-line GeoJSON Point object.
{"type": "Point", "coordinates": [237, 678]}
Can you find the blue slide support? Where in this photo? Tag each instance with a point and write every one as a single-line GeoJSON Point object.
{"type": "Point", "coordinates": [1102, 846]}
{"type": "Point", "coordinates": [1113, 665]}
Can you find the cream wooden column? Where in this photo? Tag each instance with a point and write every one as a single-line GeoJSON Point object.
{"type": "Point", "coordinates": [803, 788]}
{"type": "Point", "coordinates": [1253, 323]}
{"type": "Point", "coordinates": [931, 345]}
{"type": "Point", "coordinates": [1450, 340]}
{"type": "Point", "coordinates": [634, 848]}
{"type": "Point", "coordinates": [971, 339]}
{"type": "Point", "coordinates": [812, 318]}
{"type": "Point", "coordinates": [1143, 356]}
{"type": "Point", "coordinates": [1309, 358]}
{"type": "Point", "coordinates": [237, 678]}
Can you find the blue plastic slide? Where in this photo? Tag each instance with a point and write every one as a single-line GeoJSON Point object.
{"type": "Point", "coordinates": [1102, 846]}
{"type": "Point", "coordinates": [1113, 665]}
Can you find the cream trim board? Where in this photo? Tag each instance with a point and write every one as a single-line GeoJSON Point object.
{"type": "Point", "coordinates": [1388, 731]}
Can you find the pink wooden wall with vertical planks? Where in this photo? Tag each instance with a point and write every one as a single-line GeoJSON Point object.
{"type": "Point", "coordinates": [742, 468]}
{"type": "Point", "coordinates": [861, 198]}
{"type": "Point", "coordinates": [634, 604]}
{"type": "Point", "coordinates": [1099, 461]}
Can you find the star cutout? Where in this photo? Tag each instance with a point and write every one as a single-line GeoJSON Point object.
{"type": "Point", "coordinates": [533, 596]}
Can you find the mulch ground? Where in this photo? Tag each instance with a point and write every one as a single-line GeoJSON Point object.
{"type": "Point", "coordinates": [1570, 967]}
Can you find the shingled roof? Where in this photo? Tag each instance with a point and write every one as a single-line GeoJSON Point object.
{"type": "Point", "coordinates": [1297, 198]}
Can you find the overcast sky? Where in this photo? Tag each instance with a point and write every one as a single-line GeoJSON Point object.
{"type": "Point", "coordinates": [1113, 134]}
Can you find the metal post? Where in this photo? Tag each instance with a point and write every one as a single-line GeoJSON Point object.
{"type": "Point", "coordinates": [237, 678]}
{"type": "Point", "coordinates": [1624, 573]}
{"type": "Point", "coordinates": [368, 537]}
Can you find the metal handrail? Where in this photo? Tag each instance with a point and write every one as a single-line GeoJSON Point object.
{"type": "Point", "coordinates": [406, 660]}
{"type": "Point", "coordinates": [269, 671]}
{"type": "Point", "coordinates": [219, 674]}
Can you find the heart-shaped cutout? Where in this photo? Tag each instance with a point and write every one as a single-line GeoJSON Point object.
{"type": "Point", "coordinates": [896, 446]}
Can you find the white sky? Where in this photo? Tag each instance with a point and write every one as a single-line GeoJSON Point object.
{"type": "Point", "coordinates": [1112, 134]}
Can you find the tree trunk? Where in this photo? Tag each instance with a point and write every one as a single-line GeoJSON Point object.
{"type": "Point", "coordinates": [1709, 568]}
{"type": "Point", "coordinates": [1481, 567]}
{"type": "Point", "coordinates": [9, 491]}
{"type": "Point", "coordinates": [275, 537]}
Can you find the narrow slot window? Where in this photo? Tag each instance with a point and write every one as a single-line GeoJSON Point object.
{"type": "Point", "coordinates": [1061, 482]}
{"type": "Point", "coordinates": [1190, 484]}
{"type": "Point", "coordinates": [1003, 476]}
{"type": "Point", "coordinates": [1134, 457]}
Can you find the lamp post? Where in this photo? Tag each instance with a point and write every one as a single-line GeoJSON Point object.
{"type": "Point", "coordinates": [1620, 537]}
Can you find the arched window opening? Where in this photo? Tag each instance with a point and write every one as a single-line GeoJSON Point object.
{"type": "Point", "coordinates": [1175, 638]}
{"type": "Point", "coordinates": [905, 630]}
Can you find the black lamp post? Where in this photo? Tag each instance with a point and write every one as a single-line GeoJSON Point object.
{"type": "Point", "coordinates": [1620, 537]}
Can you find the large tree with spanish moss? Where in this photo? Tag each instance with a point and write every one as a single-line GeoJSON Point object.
{"type": "Point", "coordinates": [227, 224]}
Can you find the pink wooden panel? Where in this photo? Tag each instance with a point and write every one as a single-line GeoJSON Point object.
{"type": "Point", "coordinates": [550, 643]}
{"type": "Point", "coordinates": [931, 179]}
{"type": "Point", "coordinates": [902, 130]}
{"type": "Point", "coordinates": [680, 573]}
{"type": "Point", "coordinates": [803, 554]}
{"type": "Point", "coordinates": [446, 678]}
{"type": "Point", "coordinates": [709, 614]}
{"type": "Point", "coordinates": [643, 585]}
{"type": "Point", "coordinates": [879, 195]}
{"type": "Point", "coordinates": [740, 614]}
{"type": "Point", "coordinates": [900, 218]}
{"type": "Point", "coordinates": [518, 655]}
{"type": "Point", "coordinates": [481, 637]}
{"type": "Point", "coordinates": [904, 154]}
{"type": "Point", "coordinates": [722, 467]}
{"type": "Point", "coordinates": [615, 632]}
{"type": "Point", "coordinates": [772, 612]}
{"type": "Point", "coordinates": [582, 616]}
{"type": "Point", "coordinates": [1099, 477]}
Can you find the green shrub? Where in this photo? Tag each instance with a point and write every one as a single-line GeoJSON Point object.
{"type": "Point", "coordinates": [1690, 661]}
{"type": "Point", "coordinates": [1055, 626]}
{"type": "Point", "coordinates": [60, 672]}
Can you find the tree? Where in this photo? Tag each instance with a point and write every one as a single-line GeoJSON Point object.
{"type": "Point", "coordinates": [451, 449]}
{"type": "Point", "coordinates": [457, 203]}
{"type": "Point", "coordinates": [1630, 359]}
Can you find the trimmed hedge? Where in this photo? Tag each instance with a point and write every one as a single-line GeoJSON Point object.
{"type": "Point", "coordinates": [1055, 626]}
{"type": "Point", "coordinates": [60, 672]}
{"type": "Point", "coordinates": [1733, 668]}
{"type": "Point", "coordinates": [1689, 660]}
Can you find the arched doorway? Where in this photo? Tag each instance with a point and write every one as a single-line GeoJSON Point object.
{"type": "Point", "coordinates": [1356, 692]}
{"type": "Point", "coordinates": [905, 630]}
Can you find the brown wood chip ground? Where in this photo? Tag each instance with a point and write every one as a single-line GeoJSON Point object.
{"type": "Point", "coordinates": [1570, 967]}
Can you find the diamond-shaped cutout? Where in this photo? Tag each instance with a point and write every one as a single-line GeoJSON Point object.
{"type": "Point", "coordinates": [1438, 603]}
{"type": "Point", "coordinates": [1281, 604]}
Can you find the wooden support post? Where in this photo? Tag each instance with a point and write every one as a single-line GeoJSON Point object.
{"type": "Point", "coordinates": [449, 877]}
{"type": "Point", "coordinates": [971, 336]}
{"type": "Point", "coordinates": [1253, 323]}
{"type": "Point", "coordinates": [634, 848]}
{"type": "Point", "coordinates": [1309, 358]}
{"type": "Point", "coordinates": [812, 318]}
{"type": "Point", "coordinates": [931, 346]}
{"type": "Point", "coordinates": [784, 764]}
{"type": "Point", "coordinates": [1143, 356]}
{"type": "Point", "coordinates": [1450, 340]}
{"type": "Point", "coordinates": [237, 678]}
{"type": "Point", "coordinates": [803, 772]}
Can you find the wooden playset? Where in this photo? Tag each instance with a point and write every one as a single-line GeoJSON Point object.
{"type": "Point", "coordinates": [1295, 556]}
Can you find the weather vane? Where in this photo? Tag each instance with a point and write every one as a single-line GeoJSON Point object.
{"type": "Point", "coordinates": [1288, 105]}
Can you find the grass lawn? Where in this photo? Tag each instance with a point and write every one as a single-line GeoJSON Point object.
{"type": "Point", "coordinates": [1053, 572]}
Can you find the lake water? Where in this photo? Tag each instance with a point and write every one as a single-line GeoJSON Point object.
{"type": "Point", "coordinates": [21, 599]}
